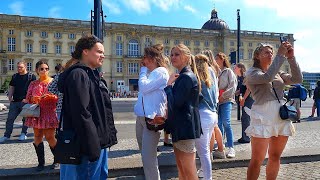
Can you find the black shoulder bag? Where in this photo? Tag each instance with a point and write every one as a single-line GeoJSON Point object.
{"type": "Point", "coordinates": [155, 124]}
{"type": "Point", "coordinates": [287, 112]}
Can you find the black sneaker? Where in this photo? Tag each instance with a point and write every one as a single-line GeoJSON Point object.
{"type": "Point", "coordinates": [298, 121]}
{"type": "Point", "coordinates": [167, 144]}
{"type": "Point", "coordinates": [242, 141]}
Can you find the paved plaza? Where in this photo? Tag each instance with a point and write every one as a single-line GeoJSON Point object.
{"type": "Point", "coordinates": [301, 157]}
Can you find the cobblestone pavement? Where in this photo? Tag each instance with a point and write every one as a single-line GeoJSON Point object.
{"type": "Point", "coordinates": [293, 171]}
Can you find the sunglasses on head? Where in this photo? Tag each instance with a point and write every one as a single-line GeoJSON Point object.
{"type": "Point", "coordinates": [42, 69]}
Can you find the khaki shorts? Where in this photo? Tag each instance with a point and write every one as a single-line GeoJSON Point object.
{"type": "Point", "coordinates": [187, 146]}
{"type": "Point", "coordinates": [296, 102]}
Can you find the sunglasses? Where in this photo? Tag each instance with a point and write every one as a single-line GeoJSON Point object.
{"type": "Point", "coordinates": [42, 69]}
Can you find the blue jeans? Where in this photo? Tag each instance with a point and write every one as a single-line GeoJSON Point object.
{"type": "Point", "coordinates": [318, 107]}
{"type": "Point", "coordinates": [14, 110]}
{"type": "Point", "coordinates": [87, 170]}
{"type": "Point", "coordinates": [224, 122]}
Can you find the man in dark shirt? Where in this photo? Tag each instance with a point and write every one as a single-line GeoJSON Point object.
{"type": "Point", "coordinates": [17, 93]}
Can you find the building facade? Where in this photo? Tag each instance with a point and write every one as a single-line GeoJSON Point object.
{"type": "Point", "coordinates": [310, 79]}
{"type": "Point", "coordinates": [35, 38]}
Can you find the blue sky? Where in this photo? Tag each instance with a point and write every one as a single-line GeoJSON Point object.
{"type": "Point", "coordinates": [286, 16]}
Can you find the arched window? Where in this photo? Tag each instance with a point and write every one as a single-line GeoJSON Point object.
{"type": "Point", "coordinates": [133, 48]}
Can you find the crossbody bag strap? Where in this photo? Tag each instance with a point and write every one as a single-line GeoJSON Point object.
{"type": "Point", "coordinates": [275, 93]}
{"type": "Point", "coordinates": [143, 107]}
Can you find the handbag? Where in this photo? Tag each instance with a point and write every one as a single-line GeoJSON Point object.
{"type": "Point", "coordinates": [30, 110]}
{"type": "Point", "coordinates": [67, 149]}
{"type": "Point", "coordinates": [287, 112]}
{"type": "Point", "coordinates": [155, 124]}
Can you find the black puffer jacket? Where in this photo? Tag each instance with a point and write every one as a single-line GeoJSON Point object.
{"type": "Point", "coordinates": [183, 107]}
{"type": "Point", "coordinates": [87, 109]}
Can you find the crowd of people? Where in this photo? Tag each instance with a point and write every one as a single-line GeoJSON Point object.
{"type": "Point", "coordinates": [193, 104]}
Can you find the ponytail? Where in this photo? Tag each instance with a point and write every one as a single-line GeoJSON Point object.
{"type": "Point", "coordinates": [194, 70]}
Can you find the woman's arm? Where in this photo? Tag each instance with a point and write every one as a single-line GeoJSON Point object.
{"type": "Point", "coordinates": [296, 76]}
{"type": "Point", "coordinates": [260, 77]}
{"type": "Point", "coordinates": [155, 80]}
{"type": "Point", "coordinates": [182, 91]}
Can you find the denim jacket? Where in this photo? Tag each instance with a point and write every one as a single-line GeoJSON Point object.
{"type": "Point", "coordinates": [183, 107]}
{"type": "Point", "coordinates": [209, 100]}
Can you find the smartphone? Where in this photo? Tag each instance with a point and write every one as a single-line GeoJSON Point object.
{"type": "Point", "coordinates": [283, 39]}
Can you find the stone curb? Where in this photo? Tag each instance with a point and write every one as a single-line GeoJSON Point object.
{"type": "Point", "coordinates": [29, 172]}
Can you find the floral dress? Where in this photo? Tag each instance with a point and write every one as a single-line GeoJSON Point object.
{"type": "Point", "coordinates": [48, 117]}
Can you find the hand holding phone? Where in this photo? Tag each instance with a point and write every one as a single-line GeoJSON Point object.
{"type": "Point", "coordinates": [283, 39]}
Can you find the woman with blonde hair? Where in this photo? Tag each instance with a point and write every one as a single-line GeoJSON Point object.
{"type": "Point", "coordinates": [227, 88]}
{"type": "Point", "coordinates": [208, 113]}
{"type": "Point", "coordinates": [152, 103]}
{"type": "Point", "coordinates": [217, 136]}
{"type": "Point", "coordinates": [269, 133]}
{"type": "Point", "coordinates": [183, 110]}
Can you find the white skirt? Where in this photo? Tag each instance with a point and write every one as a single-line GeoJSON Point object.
{"type": "Point", "coordinates": [266, 121]}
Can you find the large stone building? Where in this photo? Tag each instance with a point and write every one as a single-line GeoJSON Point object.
{"type": "Point", "coordinates": [35, 38]}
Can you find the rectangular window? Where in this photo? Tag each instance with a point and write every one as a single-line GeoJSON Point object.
{"type": "Point", "coordinates": [119, 48]}
{"type": "Point", "coordinates": [197, 43]}
{"type": "Point", "coordinates": [241, 54]}
{"type": "Point", "coordinates": [147, 39]}
{"type": "Point", "coordinates": [241, 43]}
{"type": "Point", "coordinates": [133, 49]}
{"type": "Point", "coordinates": [206, 43]}
{"type": "Point", "coordinates": [29, 66]}
{"type": "Point", "coordinates": [231, 43]}
{"type": "Point", "coordinates": [250, 44]}
{"type": "Point", "coordinates": [57, 35]}
{"type": "Point", "coordinates": [58, 49]}
{"type": "Point", "coordinates": [166, 41]}
{"type": "Point", "coordinates": [11, 31]}
{"type": "Point", "coordinates": [187, 42]}
{"type": "Point", "coordinates": [176, 42]}
{"type": "Point", "coordinates": [216, 43]}
{"type": "Point", "coordinates": [11, 65]}
{"type": "Point", "coordinates": [119, 38]}
{"type": "Point", "coordinates": [43, 48]}
{"type": "Point", "coordinates": [29, 33]}
{"type": "Point", "coordinates": [28, 48]}
{"type": "Point", "coordinates": [72, 36]}
{"type": "Point", "coordinates": [250, 54]}
{"type": "Point", "coordinates": [71, 49]}
{"type": "Point", "coordinates": [133, 68]}
{"type": "Point", "coordinates": [167, 52]}
{"type": "Point", "coordinates": [11, 44]}
{"type": "Point", "coordinates": [44, 34]}
{"type": "Point", "coordinates": [119, 66]}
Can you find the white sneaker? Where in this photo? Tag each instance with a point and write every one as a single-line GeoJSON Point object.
{"type": "Point", "coordinates": [22, 137]}
{"type": "Point", "coordinates": [3, 139]}
{"type": "Point", "coordinates": [200, 173]}
{"type": "Point", "coordinates": [231, 153]}
{"type": "Point", "coordinates": [219, 154]}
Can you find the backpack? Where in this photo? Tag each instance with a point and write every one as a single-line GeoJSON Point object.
{"type": "Point", "coordinates": [298, 92]}
{"type": "Point", "coordinates": [303, 93]}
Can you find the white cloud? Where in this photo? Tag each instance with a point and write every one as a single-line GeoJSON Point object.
{"type": "Point", "coordinates": [165, 5]}
{"type": "Point", "coordinates": [139, 6]}
{"type": "Point", "coordinates": [17, 7]}
{"type": "Point", "coordinates": [288, 8]}
{"type": "Point", "coordinates": [54, 12]}
{"type": "Point", "coordinates": [305, 51]}
{"type": "Point", "coordinates": [112, 7]}
{"type": "Point", "coordinates": [190, 9]}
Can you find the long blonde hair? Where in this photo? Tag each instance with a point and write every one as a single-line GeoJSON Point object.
{"type": "Point", "coordinates": [202, 64]}
{"type": "Point", "coordinates": [186, 52]}
{"type": "Point", "coordinates": [212, 62]}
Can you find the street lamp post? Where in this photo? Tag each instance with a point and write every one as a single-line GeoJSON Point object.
{"type": "Point", "coordinates": [238, 56]}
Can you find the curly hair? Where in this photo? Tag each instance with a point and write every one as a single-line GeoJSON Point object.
{"type": "Point", "coordinates": [85, 42]}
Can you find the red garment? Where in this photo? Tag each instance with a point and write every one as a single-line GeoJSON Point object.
{"type": "Point", "coordinates": [48, 117]}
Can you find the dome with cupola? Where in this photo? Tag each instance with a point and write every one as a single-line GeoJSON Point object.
{"type": "Point", "coordinates": [215, 23]}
